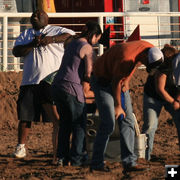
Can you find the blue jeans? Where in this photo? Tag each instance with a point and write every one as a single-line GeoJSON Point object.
{"type": "Point", "coordinates": [151, 110]}
{"type": "Point", "coordinates": [105, 104]}
{"type": "Point", "coordinates": [72, 120]}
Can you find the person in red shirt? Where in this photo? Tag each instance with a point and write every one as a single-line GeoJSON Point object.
{"type": "Point", "coordinates": [111, 74]}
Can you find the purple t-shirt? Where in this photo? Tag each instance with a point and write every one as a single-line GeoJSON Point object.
{"type": "Point", "coordinates": [71, 73]}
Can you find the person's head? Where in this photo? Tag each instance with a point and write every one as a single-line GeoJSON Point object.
{"type": "Point", "coordinates": [155, 59]}
{"type": "Point", "coordinates": [169, 52]}
{"type": "Point", "coordinates": [92, 32]}
{"type": "Point", "coordinates": [39, 19]}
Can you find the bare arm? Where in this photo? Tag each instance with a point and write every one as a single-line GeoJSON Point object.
{"type": "Point", "coordinates": [89, 94]}
{"type": "Point", "coordinates": [54, 39]}
{"type": "Point", "coordinates": [23, 50]}
{"type": "Point", "coordinates": [86, 53]}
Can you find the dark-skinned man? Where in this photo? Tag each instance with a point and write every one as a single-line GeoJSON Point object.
{"type": "Point", "coordinates": [41, 48]}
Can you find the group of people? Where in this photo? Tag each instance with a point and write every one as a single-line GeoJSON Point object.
{"type": "Point", "coordinates": [57, 64]}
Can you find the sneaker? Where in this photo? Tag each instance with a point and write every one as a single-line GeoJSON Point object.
{"type": "Point", "coordinates": [60, 162]}
{"type": "Point", "coordinates": [20, 151]}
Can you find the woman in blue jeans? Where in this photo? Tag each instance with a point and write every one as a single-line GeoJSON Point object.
{"type": "Point", "coordinates": [161, 91]}
{"type": "Point", "coordinates": [68, 93]}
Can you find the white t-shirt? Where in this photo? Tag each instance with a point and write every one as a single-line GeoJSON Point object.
{"type": "Point", "coordinates": [41, 61]}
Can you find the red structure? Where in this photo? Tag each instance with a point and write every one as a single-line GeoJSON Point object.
{"type": "Point", "coordinates": [116, 23]}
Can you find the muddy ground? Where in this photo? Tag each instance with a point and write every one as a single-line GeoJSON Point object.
{"type": "Point", "coordinates": [37, 165]}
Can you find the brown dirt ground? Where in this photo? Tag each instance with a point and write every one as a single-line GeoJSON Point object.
{"type": "Point", "coordinates": [37, 165]}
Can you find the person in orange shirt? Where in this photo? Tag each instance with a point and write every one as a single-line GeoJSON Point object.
{"type": "Point", "coordinates": [111, 75]}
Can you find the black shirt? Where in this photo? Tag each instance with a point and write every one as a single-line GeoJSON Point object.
{"type": "Point", "coordinates": [149, 88]}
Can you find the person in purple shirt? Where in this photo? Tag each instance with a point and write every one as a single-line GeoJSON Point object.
{"type": "Point", "coordinates": [68, 93]}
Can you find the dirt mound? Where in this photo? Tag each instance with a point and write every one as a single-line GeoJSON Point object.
{"type": "Point", "coordinates": [37, 165]}
{"type": "Point", "coordinates": [9, 89]}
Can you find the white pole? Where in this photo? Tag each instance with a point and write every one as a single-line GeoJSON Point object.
{"type": "Point", "coordinates": [101, 48]}
{"type": "Point", "coordinates": [5, 45]}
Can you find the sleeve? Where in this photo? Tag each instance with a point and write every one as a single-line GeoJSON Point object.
{"type": "Point", "coordinates": [66, 30]}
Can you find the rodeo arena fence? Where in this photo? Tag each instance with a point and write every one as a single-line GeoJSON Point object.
{"type": "Point", "coordinates": [156, 27]}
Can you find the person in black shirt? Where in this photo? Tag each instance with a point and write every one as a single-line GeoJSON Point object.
{"type": "Point", "coordinates": [160, 91]}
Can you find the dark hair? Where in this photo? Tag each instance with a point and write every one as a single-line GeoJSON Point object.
{"type": "Point", "coordinates": [91, 28]}
{"type": "Point", "coordinates": [169, 52]}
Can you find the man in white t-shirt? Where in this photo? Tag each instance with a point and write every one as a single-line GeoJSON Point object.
{"type": "Point", "coordinates": [42, 49]}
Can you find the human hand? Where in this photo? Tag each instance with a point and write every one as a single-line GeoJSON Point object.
{"type": "Point", "coordinates": [119, 111]}
{"type": "Point", "coordinates": [45, 40]}
{"type": "Point", "coordinates": [36, 41]}
{"type": "Point", "coordinates": [125, 87]}
{"type": "Point", "coordinates": [176, 105]}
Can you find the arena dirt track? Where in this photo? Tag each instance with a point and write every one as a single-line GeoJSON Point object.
{"type": "Point", "coordinates": [37, 165]}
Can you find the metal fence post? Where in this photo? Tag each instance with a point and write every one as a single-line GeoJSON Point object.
{"type": "Point", "coordinates": [5, 45]}
{"type": "Point", "coordinates": [101, 47]}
